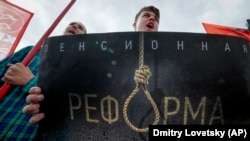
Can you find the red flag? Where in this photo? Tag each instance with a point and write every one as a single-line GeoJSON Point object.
{"type": "Point", "coordinates": [6, 86]}
{"type": "Point", "coordinates": [13, 23]}
{"type": "Point", "coordinates": [227, 30]}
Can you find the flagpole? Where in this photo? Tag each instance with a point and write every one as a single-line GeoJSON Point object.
{"type": "Point", "coordinates": [6, 86]}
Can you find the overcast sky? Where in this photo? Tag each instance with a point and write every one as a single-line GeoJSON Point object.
{"type": "Point", "coordinates": [102, 16]}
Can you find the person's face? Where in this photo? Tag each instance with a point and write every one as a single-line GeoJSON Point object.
{"type": "Point", "coordinates": [75, 28]}
{"type": "Point", "coordinates": [147, 21]}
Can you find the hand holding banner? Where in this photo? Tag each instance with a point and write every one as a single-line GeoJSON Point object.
{"type": "Point", "coordinates": [36, 48]}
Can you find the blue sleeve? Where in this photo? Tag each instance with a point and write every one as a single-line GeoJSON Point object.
{"type": "Point", "coordinates": [30, 84]}
{"type": "Point", "coordinates": [14, 58]}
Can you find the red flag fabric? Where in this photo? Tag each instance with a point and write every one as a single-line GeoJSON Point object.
{"type": "Point", "coordinates": [6, 86]}
{"type": "Point", "coordinates": [13, 23]}
{"type": "Point", "coordinates": [226, 30]}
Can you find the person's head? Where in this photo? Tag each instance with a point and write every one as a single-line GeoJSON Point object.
{"type": "Point", "coordinates": [147, 19]}
{"type": "Point", "coordinates": [75, 28]}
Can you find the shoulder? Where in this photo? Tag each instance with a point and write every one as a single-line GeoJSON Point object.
{"type": "Point", "coordinates": [18, 55]}
{"type": "Point", "coordinates": [25, 49]}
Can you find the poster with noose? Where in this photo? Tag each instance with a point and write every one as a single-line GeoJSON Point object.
{"type": "Point", "coordinates": [112, 86]}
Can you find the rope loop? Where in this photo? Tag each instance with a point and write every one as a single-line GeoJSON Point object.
{"type": "Point", "coordinates": [141, 79]}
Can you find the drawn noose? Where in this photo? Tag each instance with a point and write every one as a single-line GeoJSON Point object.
{"type": "Point", "coordinates": [141, 78]}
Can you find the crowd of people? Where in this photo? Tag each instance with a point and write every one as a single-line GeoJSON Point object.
{"type": "Point", "coordinates": [19, 119]}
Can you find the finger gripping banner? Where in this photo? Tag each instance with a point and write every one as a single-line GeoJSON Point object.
{"type": "Point", "coordinates": [112, 86]}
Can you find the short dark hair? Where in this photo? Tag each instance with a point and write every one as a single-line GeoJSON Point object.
{"type": "Point", "coordinates": [148, 8]}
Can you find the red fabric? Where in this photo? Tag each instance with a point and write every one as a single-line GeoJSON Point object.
{"type": "Point", "coordinates": [6, 86]}
{"type": "Point", "coordinates": [226, 30]}
{"type": "Point", "coordinates": [13, 23]}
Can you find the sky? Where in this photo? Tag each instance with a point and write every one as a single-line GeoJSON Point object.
{"type": "Point", "coordinates": [104, 16]}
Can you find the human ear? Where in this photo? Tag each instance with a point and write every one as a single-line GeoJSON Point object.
{"type": "Point", "coordinates": [134, 25]}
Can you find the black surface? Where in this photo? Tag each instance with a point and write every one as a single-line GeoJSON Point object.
{"type": "Point", "coordinates": [209, 86]}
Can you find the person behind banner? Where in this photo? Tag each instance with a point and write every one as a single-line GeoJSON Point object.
{"type": "Point", "coordinates": [14, 124]}
{"type": "Point", "coordinates": [146, 20]}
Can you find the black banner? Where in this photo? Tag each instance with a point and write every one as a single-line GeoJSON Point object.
{"type": "Point", "coordinates": [90, 92]}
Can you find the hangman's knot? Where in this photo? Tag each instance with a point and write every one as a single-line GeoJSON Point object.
{"type": "Point", "coordinates": [142, 75]}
